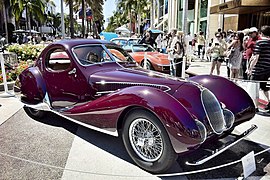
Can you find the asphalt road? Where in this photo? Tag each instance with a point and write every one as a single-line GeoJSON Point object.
{"type": "Point", "coordinates": [55, 148]}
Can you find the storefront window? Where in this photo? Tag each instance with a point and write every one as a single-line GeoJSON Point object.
{"type": "Point", "coordinates": [203, 9]}
{"type": "Point", "coordinates": [166, 6]}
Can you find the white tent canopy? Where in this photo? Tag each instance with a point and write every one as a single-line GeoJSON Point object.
{"type": "Point", "coordinates": [122, 30]}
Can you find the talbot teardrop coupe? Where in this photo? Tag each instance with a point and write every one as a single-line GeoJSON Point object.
{"type": "Point", "coordinates": [98, 85]}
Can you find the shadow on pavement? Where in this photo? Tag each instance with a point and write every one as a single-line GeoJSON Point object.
{"type": "Point", "coordinates": [106, 142]}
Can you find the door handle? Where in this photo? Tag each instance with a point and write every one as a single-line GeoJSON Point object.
{"type": "Point", "coordinates": [73, 71]}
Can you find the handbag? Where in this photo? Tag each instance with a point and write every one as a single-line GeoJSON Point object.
{"type": "Point", "coordinates": [230, 53]}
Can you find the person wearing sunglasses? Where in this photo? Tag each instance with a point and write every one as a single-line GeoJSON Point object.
{"type": "Point", "coordinates": [217, 49]}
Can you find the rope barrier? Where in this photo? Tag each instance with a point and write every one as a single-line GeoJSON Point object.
{"type": "Point", "coordinates": [118, 175]}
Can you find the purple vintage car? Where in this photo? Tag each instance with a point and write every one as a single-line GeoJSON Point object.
{"type": "Point", "coordinates": [98, 85]}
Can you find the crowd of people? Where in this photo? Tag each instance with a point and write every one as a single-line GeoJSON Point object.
{"type": "Point", "coordinates": [246, 53]}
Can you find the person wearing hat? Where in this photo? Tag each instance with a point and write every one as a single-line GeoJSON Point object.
{"type": "Point", "coordinates": [249, 47]}
{"type": "Point", "coordinates": [260, 63]}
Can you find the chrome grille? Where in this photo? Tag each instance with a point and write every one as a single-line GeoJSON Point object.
{"type": "Point", "coordinates": [113, 86]}
{"type": "Point", "coordinates": [213, 111]}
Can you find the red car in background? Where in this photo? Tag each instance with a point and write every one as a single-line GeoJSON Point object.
{"type": "Point", "coordinates": [154, 60]}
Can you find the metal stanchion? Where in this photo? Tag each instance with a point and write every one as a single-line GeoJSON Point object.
{"type": "Point", "coordinates": [145, 61]}
{"type": "Point", "coordinates": [183, 67]}
{"type": "Point", "coordinates": [6, 93]}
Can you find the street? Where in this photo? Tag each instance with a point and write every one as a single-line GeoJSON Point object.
{"type": "Point", "coordinates": [55, 148]}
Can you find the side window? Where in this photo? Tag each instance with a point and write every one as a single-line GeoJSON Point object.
{"type": "Point", "coordinates": [58, 60]}
{"type": "Point", "coordinates": [91, 54]}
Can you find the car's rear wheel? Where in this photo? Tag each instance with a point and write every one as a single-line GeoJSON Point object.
{"type": "Point", "coordinates": [147, 142]}
{"type": "Point", "coordinates": [148, 65]}
{"type": "Point", "coordinates": [34, 112]}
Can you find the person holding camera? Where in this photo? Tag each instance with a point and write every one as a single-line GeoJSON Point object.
{"type": "Point", "coordinates": [236, 49]}
{"type": "Point", "coordinates": [217, 49]}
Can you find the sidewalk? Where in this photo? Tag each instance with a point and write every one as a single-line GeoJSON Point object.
{"type": "Point", "coordinates": [9, 106]}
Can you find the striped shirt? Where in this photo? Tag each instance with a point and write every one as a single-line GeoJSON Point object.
{"type": "Point", "coordinates": [262, 48]}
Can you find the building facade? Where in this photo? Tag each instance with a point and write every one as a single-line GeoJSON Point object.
{"type": "Point", "coordinates": [209, 15]}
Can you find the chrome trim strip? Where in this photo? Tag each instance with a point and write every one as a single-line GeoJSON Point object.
{"type": "Point", "coordinates": [45, 107]}
{"type": "Point", "coordinates": [204, 128]}
{"type": "Point", "coordinates": [105, 92]}
{"type": "Point", "coordinates": [221, 150]}
{"type": "Point", "coordinates": [163, 65]}
{"type": "Point", "coordinates": [133, 83]}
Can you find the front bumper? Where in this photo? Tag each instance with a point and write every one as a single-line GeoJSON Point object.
{"type": "Point", "coordinates": [214, 152]}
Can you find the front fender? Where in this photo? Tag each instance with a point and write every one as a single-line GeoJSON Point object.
{"type": "Point", "coordinates": [178, 122]}
{"type": "Point", "coordinates": [32, 85]}
{"type": "Point", "coordinates": [231, 95]}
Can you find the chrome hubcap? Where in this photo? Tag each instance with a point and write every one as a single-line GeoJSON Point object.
{"type": "Point", "coordinates": [146, 140]}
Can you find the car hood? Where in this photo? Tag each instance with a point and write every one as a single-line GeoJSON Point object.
{"type": "Point", "coordinates": [163, 58]}
{"type": "Point", "coordinates": [112, 80]}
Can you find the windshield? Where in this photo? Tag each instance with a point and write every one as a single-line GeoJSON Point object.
{"type": "Point", "coordinates": [142, 48]}
{"type": "Point", "coordinates": [119, 54]}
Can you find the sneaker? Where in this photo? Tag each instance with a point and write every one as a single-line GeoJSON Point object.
{"type": "Point", "coordinates": [267, 106]}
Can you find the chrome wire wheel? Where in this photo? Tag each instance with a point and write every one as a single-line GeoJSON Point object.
{"type": "Point", "coordinates": [146, 140]}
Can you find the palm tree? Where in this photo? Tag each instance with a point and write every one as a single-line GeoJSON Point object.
{"type": "Point", "coordinates": [35, 7]}
{"type": "Point", "coordinates": [130, 6]}
{"type": "Point", "coordinates": [71, 4]}
{"type": "Point", "coordinates": [2, 5]}
{"type": "Point", "coordinates": [49, 15]}
{"type": "Point", "coordinates": [141, 12]}
{"type": "Point", "coordinates": [96, 7]}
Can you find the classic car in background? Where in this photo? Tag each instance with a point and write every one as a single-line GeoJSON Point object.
{"type": "Point", "coordinates": [154, 60]}
{"type": "Point", "coordinates": [98, 85]}
{"type": "Point", "coordinates": [125, 42]}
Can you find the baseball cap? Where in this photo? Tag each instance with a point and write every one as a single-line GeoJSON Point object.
{"type": "Point", "coordinates": [253, 29]}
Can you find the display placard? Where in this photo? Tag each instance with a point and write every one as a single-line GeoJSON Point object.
{"type": "Point", "coordinates": [249, 165]}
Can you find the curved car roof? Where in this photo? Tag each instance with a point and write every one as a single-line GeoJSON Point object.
{"type": "Point", "coordinates": [75, 42]}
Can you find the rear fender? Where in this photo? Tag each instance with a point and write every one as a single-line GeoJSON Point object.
{"type": "Point", "coordinates": [178, 122]}
{"type": "Point", "coordinates": [235, 98]}
{"type": "Point", "coordinates": [32, 85]}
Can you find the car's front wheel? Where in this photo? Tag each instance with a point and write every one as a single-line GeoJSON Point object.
{"type": "Point", "coordinates": [34, 112]}
{"type": "Point", "coordinates": [147, 142]}
{"type": "Point", "coordinates": [148, 65]}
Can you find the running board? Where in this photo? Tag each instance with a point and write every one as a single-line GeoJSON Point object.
{"type": "Point", "coordinates": [223, 148]}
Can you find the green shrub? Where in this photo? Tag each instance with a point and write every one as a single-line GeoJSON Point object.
{"type": "Point", "coordinates": [26, 51]}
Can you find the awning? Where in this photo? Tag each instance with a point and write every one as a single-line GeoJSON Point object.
{"type": "Point", "coordinates": [240, 7]}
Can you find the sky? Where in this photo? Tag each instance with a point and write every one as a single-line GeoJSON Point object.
{"type": "Point", "coordinates": [108, 8]}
